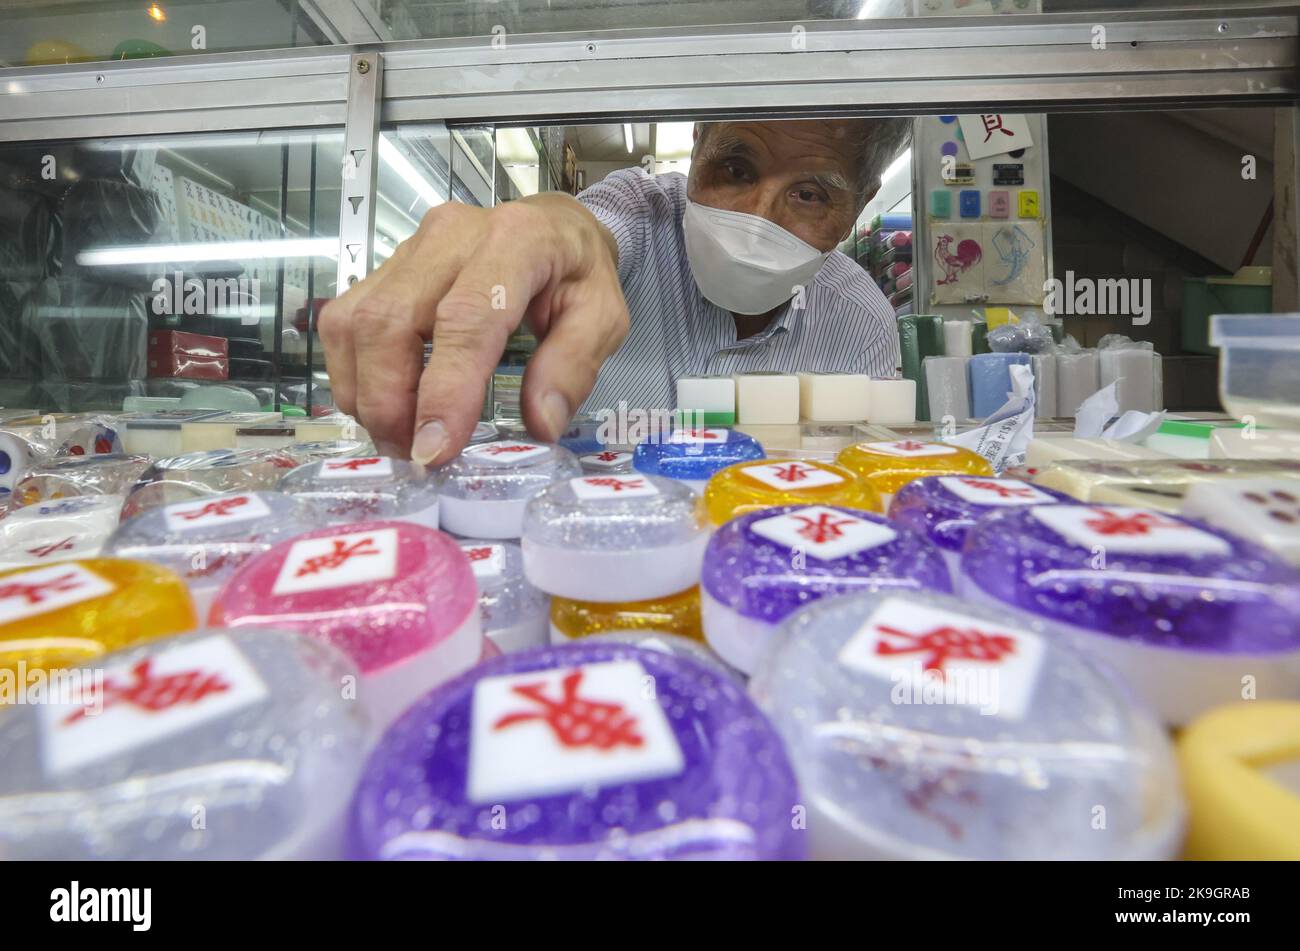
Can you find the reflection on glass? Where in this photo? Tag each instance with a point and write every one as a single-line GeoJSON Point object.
{"type": "Point", "coordinates": [158, 268]}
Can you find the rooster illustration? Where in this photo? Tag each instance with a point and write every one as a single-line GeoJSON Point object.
{"type": "Point", "coordinates": [954, 265]}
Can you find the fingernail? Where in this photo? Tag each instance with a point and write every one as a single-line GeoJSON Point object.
{"type": "Point", "coordinates": [430, 439]}
{"type": "Point", "coordinates": [556, 412]}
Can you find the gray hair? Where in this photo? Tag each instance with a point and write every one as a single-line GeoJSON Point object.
{"type": "Point", "coordinates": [877, 143]}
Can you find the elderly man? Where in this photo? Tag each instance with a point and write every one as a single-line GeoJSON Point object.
{"type": "Point", "coordinates": [639, 281]}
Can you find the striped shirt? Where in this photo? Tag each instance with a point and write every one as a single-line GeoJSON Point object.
{"type": "Point", "coordinates": [845, 326]}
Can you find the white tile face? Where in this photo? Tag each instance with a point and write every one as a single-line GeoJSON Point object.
{"type": "Point", "coordinates": [506, 453]}
{"type": "Point", "coordinates": [488, 561]}
{"type": "Point", "coordinates": [990, 491]}
{"type": "Point", "coordinates": [369, 468]}
{"type": "Point", "coordinates": [708, 436]}
{"type": "Point", "coordinates": [556, 731]}
{"type": "Point", "coordinates": [933, 655]}
{"type": "Point", "coordinates": [824, 533]}
{"type": "Point", "coordinates": [48, 589]}
{"type": "Point", "coordinates": [187, 516]}
{"type": "Point", "coordinates": [157, 697]}
{"type": "Point", "coordinates": [1128, 530]}
{"type": "Point", "coordinates": [791, 476]}
{"type": "Point", "coordinates": [909, 449]}
{"type": "Point", "coordinates": [315, 564]}
{"type": "Point", "coordinates": [1266, 511]}
{"type": "Point", "coordinates": [609, 459]}
{"type": "Point", "coordinates": [612, 487]}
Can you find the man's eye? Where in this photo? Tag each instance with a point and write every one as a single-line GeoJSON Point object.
{"type": "Point", "coordinates": [807, 194]}
{"type": "Point", "coordinates": [738, 172]}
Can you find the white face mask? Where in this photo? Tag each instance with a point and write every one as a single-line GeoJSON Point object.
{"type": "Point", "coordinates": [744, 263]}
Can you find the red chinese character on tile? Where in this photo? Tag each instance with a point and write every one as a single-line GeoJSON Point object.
{"type": "Point", "coordinates": [337, 556]}
{"type": "Point", "coordinates": [352, 465]}
{"type": "Point", "coordinates": [948, 643]}
{"type": "Point", "coordinates": [617, 485]}
{"type": "Point", "coordinates": [103, 445]}
{"type": "Point", "coordinates": [501, 449]}
{"type": "Point", "coordinates": [993, 123]}
{"type": "Point", "coordinates": [1139, 523]}
{"type": "Point", "coordinates": [479, 554]}
{"type": "Point", "coordinates": [607, 456]}
{"type": "Point", "coordinates": [1003, 491]}
{"type": "Point", "coordinates": [909, 445]}
{"type": "Point", "coordinates": [156, 694]}
{"type": "Point", "coordinates": [826, 527]}
{"type": "Point", "coordinates": [44, 551]}
{"type": "Point", "coordinates": [35, 593]}
{"type": "Point", "coordinates": [218, 509]}
{"type": "Point", "coordinates": [575, 721]}
{"type": "Point", "coordinates": [792, 472]}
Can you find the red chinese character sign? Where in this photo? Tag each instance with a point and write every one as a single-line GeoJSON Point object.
{"type": "Point", "coordinates": [823, 533]}
{"type": "Point", "coordinates": [551, 731]}
{"type": "Point", "coordinates": [1120, 530]}
{"type": "Point", "coordinates": [24, 594]}
{"type": "Point", "coordinates": [176, 687]}
{"type": "Point", "coordinates": [994, 134]}
{"type": "Point", "coordinates": [937, 655]}
{"type": "Point", "coordinates": [314, 564]}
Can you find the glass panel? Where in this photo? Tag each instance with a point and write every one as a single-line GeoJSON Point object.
{"type": "Point", "coordinates": [42, 32]}
{"type": "Point", "coordinates": [47, 32]}
{"type": "Point", "coordinates": [154, 268]}
{"type": "Point", "coordinates": [1101, 210]}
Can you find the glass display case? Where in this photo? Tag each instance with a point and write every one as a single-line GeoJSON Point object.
{"type": "Point", "coordinates": [184, 187]}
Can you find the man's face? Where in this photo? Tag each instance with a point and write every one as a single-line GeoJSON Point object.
{"type": "Point", "coordinates": [801, 175]}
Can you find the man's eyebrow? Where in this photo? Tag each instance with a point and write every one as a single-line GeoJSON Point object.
{"type": "Point", "coordinates": [730, 145]}
{"type": "Point", "coordinates": [832, 181]}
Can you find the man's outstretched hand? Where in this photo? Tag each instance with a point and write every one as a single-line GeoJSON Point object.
{"type": "Point", "coordinates": [465, 280]}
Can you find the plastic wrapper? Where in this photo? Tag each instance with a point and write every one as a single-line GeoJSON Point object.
{"type": "Point", "coordinates": [919, 337]}
{"type": "Point", "coordinates": [112, 474]}
{"type": "Point", "coordinates": [614, 538]}
{"type": "Point", "coordinates": [925, 727]}
{"type": "Point", "coordinates": [484, 490]}
{"type": "Point", "coordinates": [68, 434]}
{"type": "Point", "coordinates": [1184, 610]}
{"type": "Point", "coordinates": [1027, 336]}
{"type": "Point", "coordinates": [1136, 368]}
{"type": "Point", "coordinates": [990, 381]}
{"type": "Point", "coordinates": [749, 486]}
{"type": "Point", "coordinates": [694, 456]}
{"type": "Point", "coordinates": [397, 598]}
{"type": "Point", "coordinates": [17, 456]}
{"type": "Point", "coordinates": [250, 723]}
{"type": "Point", "coordinates": [69, 613]}
{"type": "Point", "coordinates": [763, 566]}
{"type": "Point", "coordinates": [947, 388]}
{"type": "Point", "coordinates": [677, 614]}
{"type": "Point", "coordinates": [943, 508]}
{"type": "Point", "coordinates": [197, 475]}
{"type": "Point", "coordinates": [305, 452]}
{"type": "Point", "coordinates": [515, 614]}
{"type": "Point", "coordinates": [61, 530]}
{"type": "Point", "coordinates": [1081, 477]}
{"type": "Point", "coordinates": [690, 770]}
{"type": "Point", "coordinates": [206, 539]}
{"type": "Point", "coordinates": [365, 488]}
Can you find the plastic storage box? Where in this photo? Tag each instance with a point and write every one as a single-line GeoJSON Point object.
{"type": "Point", "coordinates": [1259, 366]}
